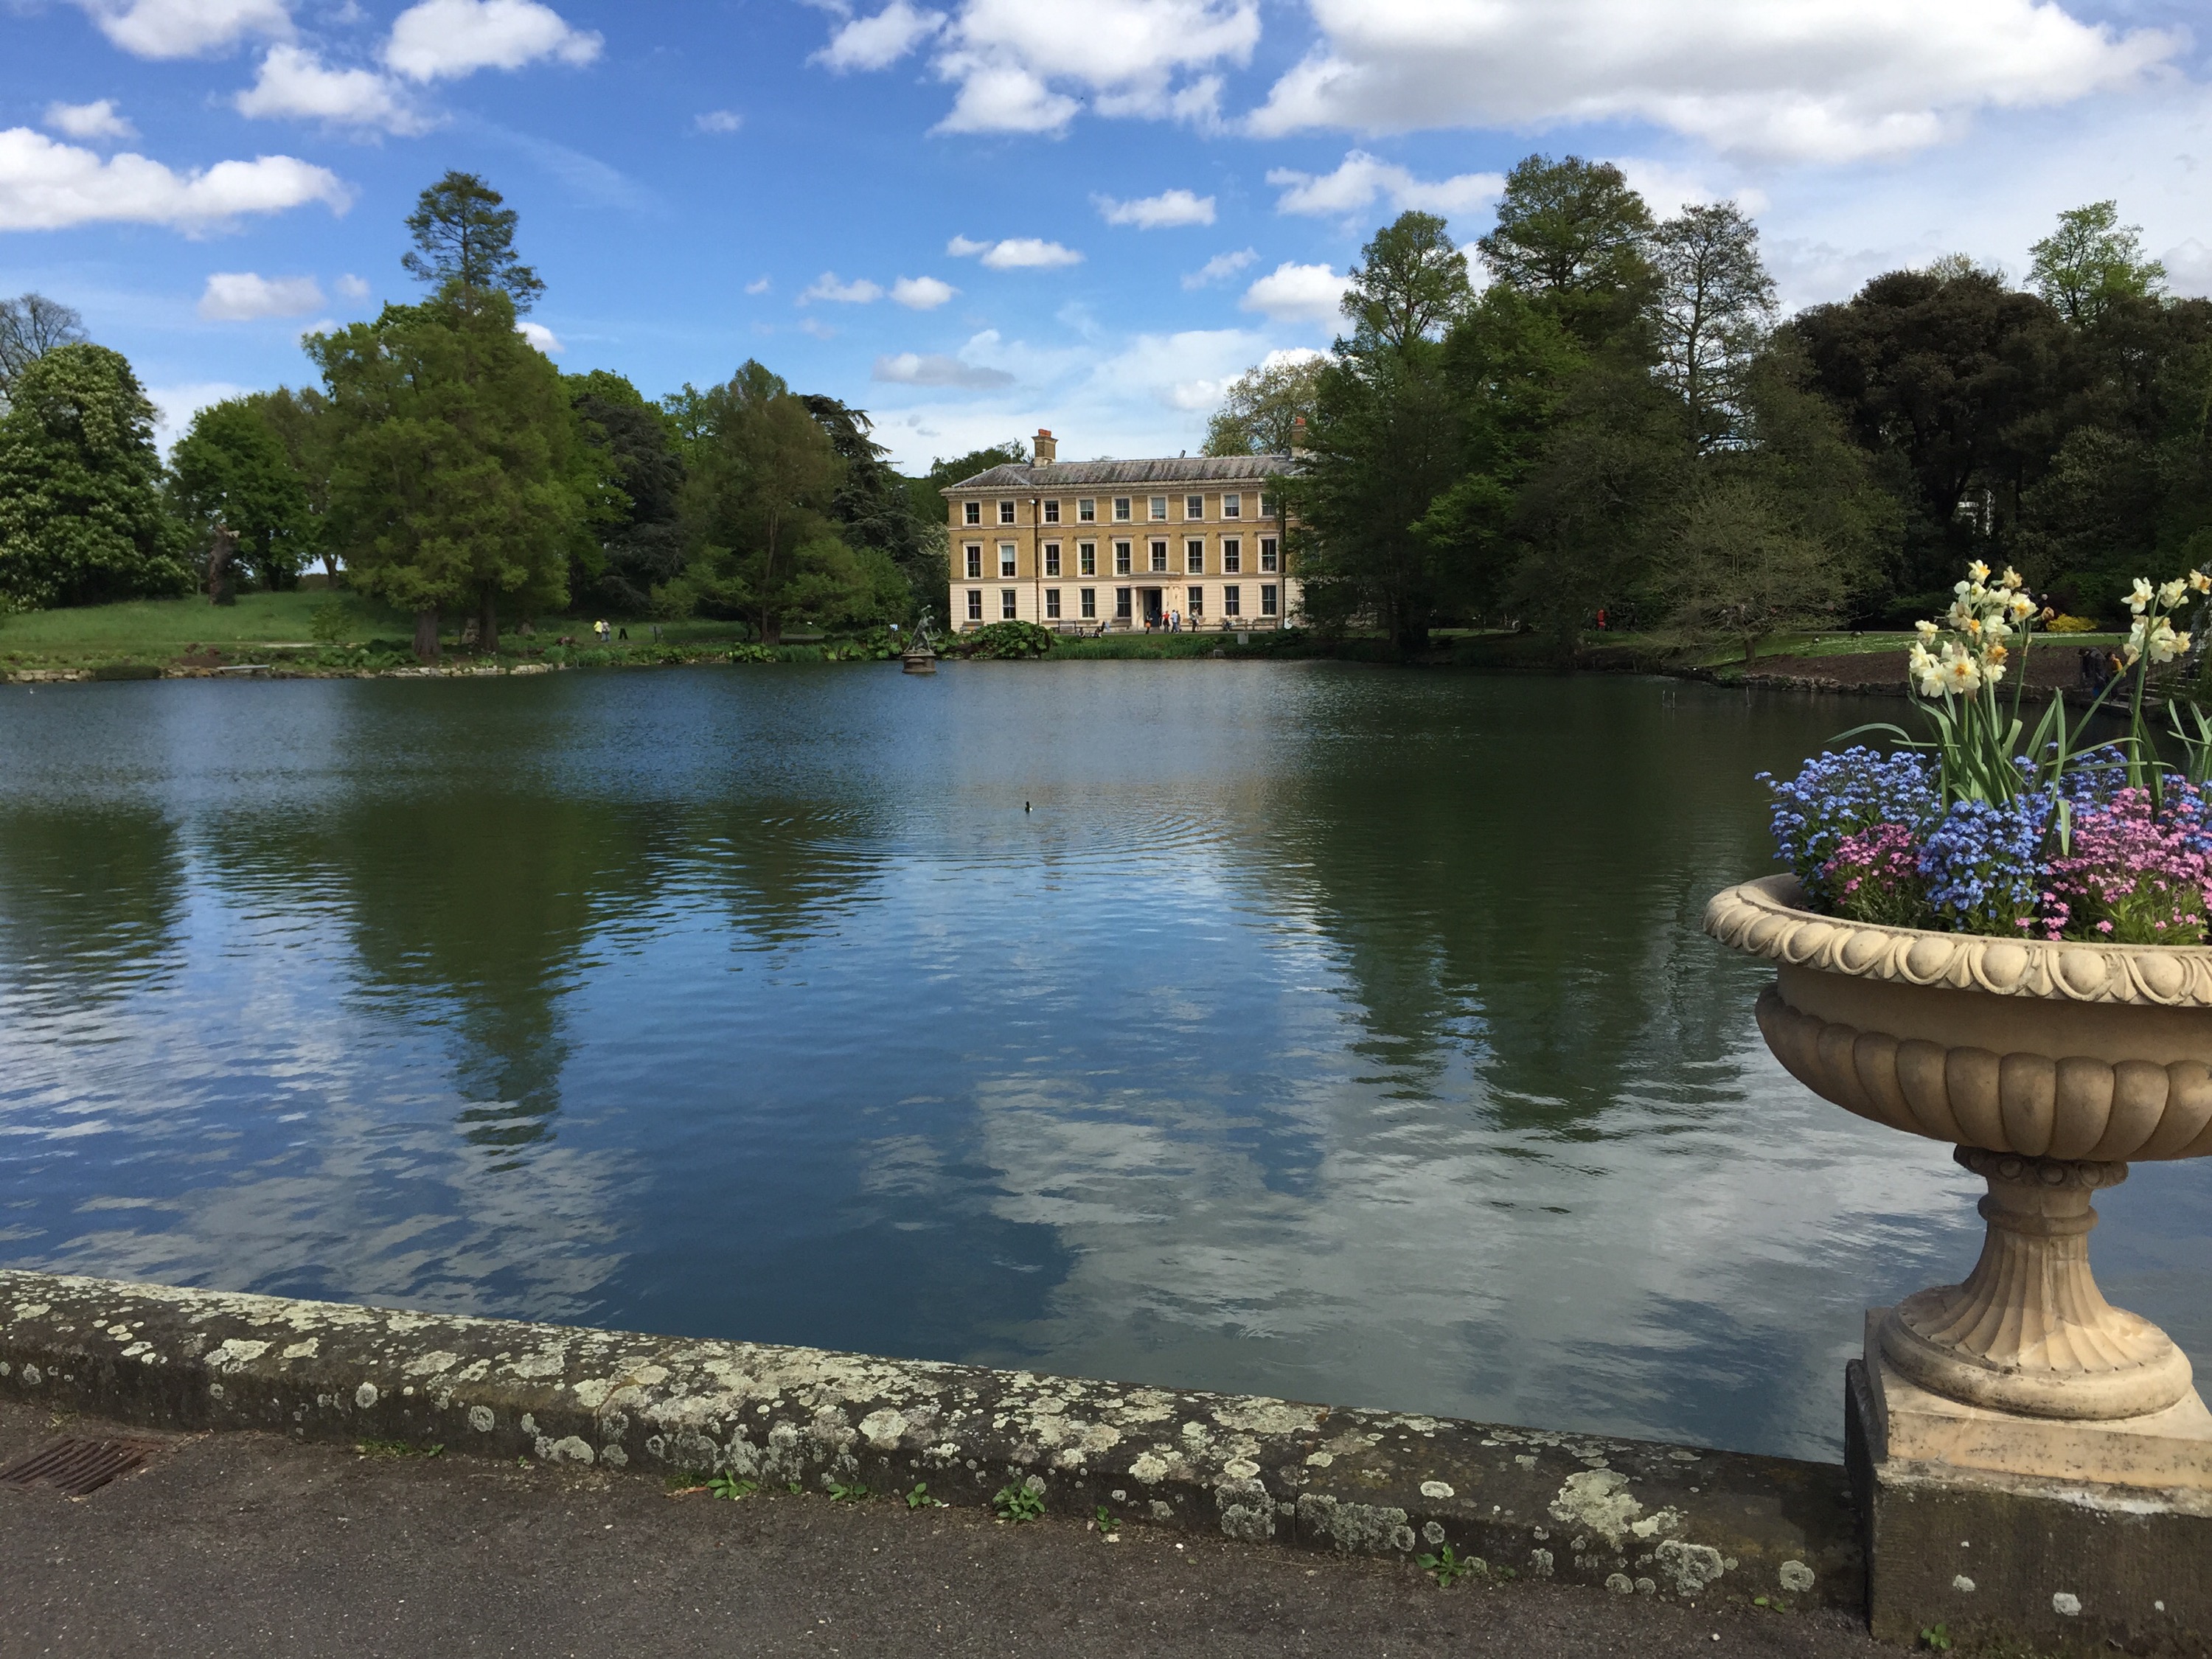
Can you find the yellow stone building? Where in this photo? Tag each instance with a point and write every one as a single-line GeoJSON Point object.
{"type": "Point", "coordinates": [1091, 546]}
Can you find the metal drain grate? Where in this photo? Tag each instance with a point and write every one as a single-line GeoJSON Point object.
{"type": "Point", "coordinates": [75, 1468]}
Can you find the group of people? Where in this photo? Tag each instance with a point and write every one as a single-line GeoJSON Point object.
{"type": "Point", "coordinates": [1169, 621]}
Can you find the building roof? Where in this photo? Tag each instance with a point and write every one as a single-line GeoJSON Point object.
{"type": "Point", "coordinates": [1087, 474]}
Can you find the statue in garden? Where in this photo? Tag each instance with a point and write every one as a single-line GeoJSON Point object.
{"type": "Point", "coordinates": [221, 581]}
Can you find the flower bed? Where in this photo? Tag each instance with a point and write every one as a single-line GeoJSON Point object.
{"type": "Point", "coordinates": [1982, 826]}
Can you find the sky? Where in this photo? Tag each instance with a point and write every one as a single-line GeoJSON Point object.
{"type": "Point", "coordinates": [978, 217]}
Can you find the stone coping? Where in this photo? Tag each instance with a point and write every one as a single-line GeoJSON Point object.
{"type": "Point", "coordinates": [1765, 918]}
{"type": "Point", "coordinates": [1675, 1522]}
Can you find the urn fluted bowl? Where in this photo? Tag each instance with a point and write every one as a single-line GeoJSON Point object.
{"type": "Point", "coordinates": [2050, 1065]}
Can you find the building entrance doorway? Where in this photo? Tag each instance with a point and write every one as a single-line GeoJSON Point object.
{"type": "Point", "coordinates": [1154, 615]}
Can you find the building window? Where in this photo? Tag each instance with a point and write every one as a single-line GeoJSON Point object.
{"type": "Point", "coordinates": [1232, 601]}
{"type": "Point", "coordinates": [1086, 512]}
{"type": "Point", "coordinates": [1122, 605]}
{"type": "Point", "coordinates": [1052, 603]}
{"type": "Point", "coordinates": [1086, 603]}
{"type": "Point", "coordinates": [1086, 558]}
{"type": "Point", "coordinates": [1120, 558]}
{"type": "Point", "coordinates": [1005, 558]}
{"type": "Point", "coordinates": [974, 604]}
{"type": "Point", "coordinates": [1005, 512]}
{"type": "Point", "coordinates": [1268, 553]}
{"type": "Point", "coordinates": [1266, 599]}
{"type": "Point", "coordinates": [972, 513]}
{"type": "Point", "coordinates": [1193, 507]}
{"type": "Point", "coordinates": [1160, 556]}
{"type": "Point", "coordinates": [1232, 555]}
{"type": "Point", "coordinates": [1052, 511]}
{"type": "Point", "coordinates": [1159, 509]}
{"type": "Point", "coordinates": [1197, 602]}
{"type": "Point", "coordinates": [974, 562]}
{"type": "Point", "coordinates": [1233, 507]}
{"type": "Point", "coordinates": [1263, 507]}
{"type": "Point", "coordinates": [1121, 509]}
{"type": "Point", "coordinates": [1006, 597]}
{"type": "Point", "coordinates": [1193, 557]}
{"type": "Point", "coordinates": [1052, 558]}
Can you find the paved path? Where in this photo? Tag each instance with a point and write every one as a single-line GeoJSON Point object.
{"type": "Point", "coordinates": [243, 1544]}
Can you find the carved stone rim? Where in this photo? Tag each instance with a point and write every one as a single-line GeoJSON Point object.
{"type": "Point", "coordinates": [1763, 918]}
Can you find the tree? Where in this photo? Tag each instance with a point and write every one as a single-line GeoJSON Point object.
{"type": "Point", "coordinates": [1714, 307]}
{"type": "Point", "coordinates": [1260, 411]}
{"type": "Point", "coordinates": [875, 509]}
{"type": "Point", "coordinates": [2091, 260]}
{"type": "Point", "coordinates": [1410, 282]}
{"type": "Point", "coordinates": [31, 325]}
{"type": "Point", "coordinates": [1955, 383]}
{"type": "Point", "coordinates": [458, 472]}
{"type": "Point", "coordinates": [300, 420]}
{"type": "Point", "coordinates": [758, 511]}
{"type": "Point", "coordinates": [1571, 235]}
{"type": "Point", "coordinates": [639, 543]}
{"type": "Point", "coordinates": [82, 517]}
{"type": "Point", "coordinates": [231, 471]}
{"type": "Point", "coordinates": [463, 235]}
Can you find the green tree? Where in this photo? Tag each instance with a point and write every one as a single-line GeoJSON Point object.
{"type": "Point", "coordinates": [31, 325]}
{"type": "Point", "coordinates": [298, 418]}
{"type": "Point", "coordinates": [758, 511]}
{"type": "Point", "coordinates": [465, 235]}
{"type": "Point", "coordinates": [875, 507]}
{"type": "Point", "coordinates": [84, 518]}
{"type": "Point", "coordinates": [1573, 235]}
{"type": "Point", "coordinates": [458, 475]}
{"type": "Point", "coordinates": [231, 470]}
{"type": "Point", "coordinates": [1715, 307]}
{"type": "Point", "coordinates": [1260, 411]}
{"type": "Point", "coordinates": [2091, 260]}
{"type": "Point", "coordinates": [639, 544]}
{"type": "Point", "coordinates": [1410, 282]}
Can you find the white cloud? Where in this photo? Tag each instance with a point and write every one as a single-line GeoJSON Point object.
{"type": "Point", "coordinates": [1293, 293]}
{"type": "Point", "coordinates": [1015, 253]}
{"type": "Point", "coordinates": [187, 28]}
{"type": "Point", "coordinates": [720, 120]}
{"type": "Point", "coordinates": [1360, 178]}
{"type": "Point", "coordinates": [541, 336]}
{"type": "Point", "coordinates": [294, 82]}
{"type": "Point", "coordinates": [1221, 268]}
{"type": "Point", "coordinates": [1021, 67]}
{"type": "Point", "coordinates": [921, 293]}
{"type": "Point", "coordinates": [443, 39]}
{"type": "Point", "coordinates": [818, 328]}
{"type": "Point", "coordinates": [859, 292]}
{"type": "Point", "coordinates": [1815, 80]}
{"type": "Point", "coordinates": [89, 121]}
{"type": "Point", "coordinates": [759, 285]}
{"type": "Point", "coordinates": [352, 287]}
{"type": "Point", "coordinates": [1668, 189]}
{"type": "Point", "coordinates": [45, 186]}
{"type": "Point", "coordinates": [878, 42]}
{"type": "Point", "coordinates": [242, 296]}
{"type": "Point", "coordinates": [1169, 208]}
{"type": "Point", "coordinates": [912, 368]}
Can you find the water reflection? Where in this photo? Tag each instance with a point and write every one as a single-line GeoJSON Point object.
{"type": "Point", "coordinates": [1329, 1032]}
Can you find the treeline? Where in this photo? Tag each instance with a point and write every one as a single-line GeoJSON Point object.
{"type": "Point", "coordinates": [444, 465]}
{"type": "Point", "coordinates": [1618, 425]}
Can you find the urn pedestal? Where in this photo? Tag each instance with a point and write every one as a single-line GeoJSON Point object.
{"type": "Point", "coordinates": [2018, 1404]}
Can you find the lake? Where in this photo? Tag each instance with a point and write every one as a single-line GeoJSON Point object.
{"type": "Point", "coordinates": [1331, 1032]}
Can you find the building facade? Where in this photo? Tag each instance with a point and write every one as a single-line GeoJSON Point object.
{"type": "Point", "coordinates": [1103, 546]}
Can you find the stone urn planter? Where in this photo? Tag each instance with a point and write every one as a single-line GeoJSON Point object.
{"type": "Point", "coordinates": [2050, 1066]}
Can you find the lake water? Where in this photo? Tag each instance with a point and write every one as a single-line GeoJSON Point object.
{"type": "Point", "coordinates": [1331, 1032]}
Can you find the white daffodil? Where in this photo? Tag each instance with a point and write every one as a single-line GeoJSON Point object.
{"type": "Point", "coordinates": [1978, 571]}
{"type": "Point", "coordinates": [1996, 627]}
{"type": "Point", "coordinates": [1992, 672]}
{"type": "Point", "coordinates": [2200, 581]}
{"type": "Point", "coordinates": [1927, 631]}
{"type": "Point", "coordinates": [1962, 674]}
{"type": "Point", "coordinates": [2170, 595]}
{"type": "Point", "coordinates": [2164, 645]}
{"type": "Point", "coordinates": [2022, 606]}
{"type": "Point", "coordinates": [2139, 599]}
{"type": "Point", "coordinates": [2010, 580]}
{"type": "Point", "coordinates": [2180, 642]}
{"type": "Point", "coordinates": [1927, 673]}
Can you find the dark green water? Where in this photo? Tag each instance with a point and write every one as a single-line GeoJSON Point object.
{"type": "Point", "coordinates": [1337, 1033]}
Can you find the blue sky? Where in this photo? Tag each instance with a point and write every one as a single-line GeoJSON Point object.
{"type": "Point", "coordinates": [985, 216]}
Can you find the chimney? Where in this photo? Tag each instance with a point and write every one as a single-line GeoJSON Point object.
{"type": "Point", "coordinates": [1297, 435]}
{"type": "Point", "coordinates": [1048, 447]}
